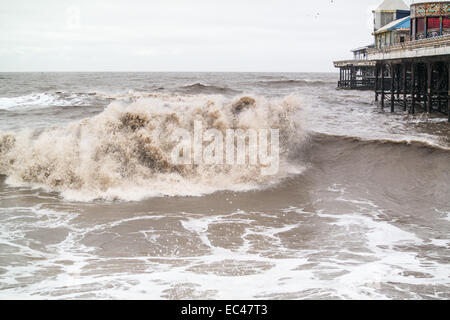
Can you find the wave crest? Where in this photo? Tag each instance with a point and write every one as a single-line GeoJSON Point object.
{"type": "Point", "coordinates": [199, 88]}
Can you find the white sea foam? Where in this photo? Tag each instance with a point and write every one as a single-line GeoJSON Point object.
{"type": "Point", "coordinates": [237, 272]}
{"type": "Point", "coordinates": [42, 100]}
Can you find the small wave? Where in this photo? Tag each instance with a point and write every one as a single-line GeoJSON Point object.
{"type": "Point", "coordinates": [199, 88]}
{"type": "Point", "coordinates": [415, 143]}
{"type": "Point", "coordinates": [295, 83]}
{"type": "Point", "coordinates": [56, 99]}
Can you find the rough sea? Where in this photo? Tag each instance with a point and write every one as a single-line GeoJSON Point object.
{"type": "Point", "coordinates": [90, 207]}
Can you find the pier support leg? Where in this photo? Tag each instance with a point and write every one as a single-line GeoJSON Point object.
{"type": "Point", "coordinates": [413, 88]}
{"type": "Point", "coordinates": [376, 81]}
{"type": "Point", "coordinates": [392, 70]}
{"type": "Point", "coordinates": [423, 86]}
{"type": "Point", "coordinates": [448, 93]}
{"type": "Point", "coordinates": [349, 78]}
{"type": "Point", "coordinates": [346, 78]}
{"type": "Point", "coordinates": [442, 88]}
{"type": "Point", "coordinates": [419, 89]}
{"type": "Point", "coordinates": [438, 87]}
{"type": "Point", "coordinates": [405, 66]}
{"type": "Point", "coordinates": [429, 84]}
{"type": "Point", "coordinates": [352, 77]}
{"type": "Point", "coordinates": [382, 86]}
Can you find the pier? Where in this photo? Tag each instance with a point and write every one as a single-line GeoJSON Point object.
{"type": "Point", "coordinates": [358, 73]}
{"type": "Point", "coordinates": [414, 76]}
{"type": "Point", "coordinates": [408, 66]}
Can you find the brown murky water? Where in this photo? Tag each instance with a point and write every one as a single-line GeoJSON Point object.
{"type": "Point", "coordinates": [366, 213]}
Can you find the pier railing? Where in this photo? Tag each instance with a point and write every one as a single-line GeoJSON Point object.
{"type": "Point", "coordinates": [365, 84]}
{"type": "Point", "coordinates": [439, 45]}
{"type": "Point", "coordinates": [356, 63]}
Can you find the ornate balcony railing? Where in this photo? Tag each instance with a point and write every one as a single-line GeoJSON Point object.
{"type": "Point", "coordinates": [436, 43]}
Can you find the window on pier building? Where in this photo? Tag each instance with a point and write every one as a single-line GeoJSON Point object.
{"type": "Point", "coordinates": [420, 25]}
{"type": "Point", "coordinates": [446, 22]}
{"type": "Point", "coordinates": [434, 23]}
{"type": "Point", "coordinates": [386, 18]}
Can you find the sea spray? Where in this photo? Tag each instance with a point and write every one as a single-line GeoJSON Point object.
{"type": "Point", "coordinates": [125, 152]}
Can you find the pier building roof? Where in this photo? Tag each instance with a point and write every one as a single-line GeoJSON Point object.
{"type": "Point", "coordinates": [392, 5]}
{"type": "Point", "coordinates": [403, 23]}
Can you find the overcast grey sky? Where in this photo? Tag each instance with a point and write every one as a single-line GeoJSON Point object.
{"type": "Point", "coordinates": [176, 35]}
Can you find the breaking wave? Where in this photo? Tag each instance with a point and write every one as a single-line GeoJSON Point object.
{"type": "Point", "coordinates": [124, 152]}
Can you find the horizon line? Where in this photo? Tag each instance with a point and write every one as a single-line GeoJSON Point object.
{"type": "Point", "coordinates": [133, 71]}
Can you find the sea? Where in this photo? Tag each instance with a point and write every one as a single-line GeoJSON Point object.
{"type": "Point", "coordinates": [92, 208]}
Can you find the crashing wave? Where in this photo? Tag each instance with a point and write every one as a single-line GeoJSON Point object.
{"type": "Point", "coordinates": [124, 152]}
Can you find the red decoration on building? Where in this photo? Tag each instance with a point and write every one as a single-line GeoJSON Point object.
{"type": "Point", "coordinates": [434, 23]}
{"type": "Point", "coordinates": [420, 25]}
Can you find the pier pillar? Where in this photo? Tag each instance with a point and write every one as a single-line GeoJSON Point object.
{"type": "Point", "coordinates": [419, 78]}
{"type": "Point", "coordinates": [352, 77]}
{"type": "Point", "coordinates": [423, 78]}
{"type": "Point", "coordinates": [392, 70]}
{"type": "Point", "coordinates": [382, 85]}
{"type": "Point", "coordinates": [405, 66]}
{"type": "Point", "coordinates": [376, 81]}
{"type": "Point", "coordinates": [348, 78]}
{"type": "Point", "coordinates": [429, 84]}
{"type": "Point", "coordinates": [441, 73]}
{"type": "Point", "coordinates": [413, 88]}
{"type": "Point", "coordinates": [344, 74]}
{"type": "Point", "coordinates": [448, 92]}
{"type": "Point", "coordinates": [345, 77]}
